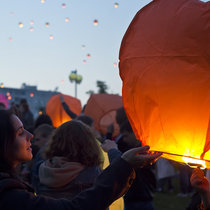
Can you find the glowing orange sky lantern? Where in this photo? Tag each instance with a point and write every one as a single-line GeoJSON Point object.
{"type": "Point", "coordinates": [102, 108]}
{"type": "Point", "coordinates": [20, 24]}
{"type": "Point", "coordinates": [165, 68]}
{"type": "Point", "coordinates": [55, 109]}
{"type": "Point", "coordinates": [95, 22]}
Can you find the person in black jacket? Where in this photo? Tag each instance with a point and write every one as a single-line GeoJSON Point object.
{"type": "Point", "coordinates": [141, 193]}
{"type": "Point", "coordinates": [15, 148]}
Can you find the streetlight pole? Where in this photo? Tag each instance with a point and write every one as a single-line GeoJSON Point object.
{"type": "Point", "coordinates": [75, 89]}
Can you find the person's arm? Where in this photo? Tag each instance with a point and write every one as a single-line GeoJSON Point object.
{"type": "Point", "coordinates": [66, 108]}
{"type": "Point", "coordinates": [113, 182]}
{"type": "Point", "coordinates": [201, 185]}
{"type": "Point", "coordinates": [110, 131]}
{"type": "Point", "coordinates": [112, 150]}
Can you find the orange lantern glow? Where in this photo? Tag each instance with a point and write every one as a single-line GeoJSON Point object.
{"type": "Point", "coordinates": [66, 19]}
{"type": "Point", "coordinates": [102, 108]}
{"type": "Point", "coordinates": [51, 37]}
{"type": "Point", "coordinates": [165, 68]}
{"type": "Point", "coordinates": [95, 22]}
{"type": "Point", "coordinates": [20, 25]}
{"type": "Point", "coordinates": [116, 5]}
{"type": "Point", "coordinates": [55, 109]}
{"type": "Point", "coordinates": [31, 29]}
{"type": "Point", "coordinates": [63, 6]}
{"type": "Point", "coordinates": [47, 24]}
{"type": "Point", "coordinates": [31, 95]}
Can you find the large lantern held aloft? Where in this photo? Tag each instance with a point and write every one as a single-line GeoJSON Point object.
{"type": "Point", "coordinates": [102, 108]}
{"type": "Point", "coordinates": [165, 68]}
{"type": "Point", "coordinates": [56, 111]}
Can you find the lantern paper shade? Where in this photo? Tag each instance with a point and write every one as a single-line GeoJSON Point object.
{"type": "Point", "coordinates": [55, 109]}
{"type": "Point", "coordinates": [4, 100]}
{"type": "Point", "coordinates": [102, 108]}
{"type": "Point", "coordinates": [165, 69]}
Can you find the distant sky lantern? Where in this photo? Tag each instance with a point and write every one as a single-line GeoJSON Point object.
{"type": "Point", "coordinates": [42, 1]}
{"type": "Point", "coordinates": [115, 64]}
{"type": "Point", "coordinates": [88, 55]}
{"type": "Point", "coordinates": [55, 109]}
{"type": "Point", "coordinates": [83, 47]}
{"type": "Point", "coordinates": [2, 85]}
{"type": "Point", "coordinates": [31, 95]}
{"type": "Point", "coordinates": [31, 22]}
{"type": "Point", "coordinates": [47, 24]}
{"type": "Point", "coordinates": [165, 69]}
{"type": "Point", "coordinates": [116, 5]}
{"type": "Point", "coordinates": [31, 29]}
{"type": "Point", "coordinates": [10, 39]}
{"type": "Point", "coordinates": [20, 24]}
{"type": "Point", "coordinates": [95, 22]}
{"type": "Point", "coordinates": [102, 108]}
{"type": "Point", "coordinates": [8, 93]}
{"type": "Point", "coordinates": [84, 61]}
{"type": "Point", "coordinates": [9, 97]}
{"type": "Point", "coordinates": [63, 5]}
{"type": "Point", "coordinates": [51, 37]}
{"type": "Point", "coordinates": [66, 19]}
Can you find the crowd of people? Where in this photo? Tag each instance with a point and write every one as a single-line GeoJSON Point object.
{"type": "Point", "coordinates": [66, 167]}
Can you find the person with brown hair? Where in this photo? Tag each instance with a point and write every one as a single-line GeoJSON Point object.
{"type": "Point", "coordinates": [73, 159]}
{"type": "Point", "coordinates": [14, 194]}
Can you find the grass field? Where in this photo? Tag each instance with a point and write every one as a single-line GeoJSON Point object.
{"type": "Point", "coordinates": [170, 201]}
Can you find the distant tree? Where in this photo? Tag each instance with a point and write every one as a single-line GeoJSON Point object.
{"type": "Point", "coordinates": [90, 92]}
{"type": "Point", "coordinates": [102, 87]}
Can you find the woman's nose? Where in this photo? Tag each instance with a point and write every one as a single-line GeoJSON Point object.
{"type": "Point", "coordinates": [30, 136]}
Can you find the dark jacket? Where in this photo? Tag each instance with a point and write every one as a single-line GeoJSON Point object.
{"type": "Point", "coordinates": [144, 185]}
{"type": "Point", "coordinates": [110, 185]}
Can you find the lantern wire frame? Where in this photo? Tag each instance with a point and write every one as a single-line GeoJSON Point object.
{"type": "Point", "coordinates": [190, 161]}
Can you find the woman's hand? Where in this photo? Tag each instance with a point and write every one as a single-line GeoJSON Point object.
{"type": "Point", "coordinates": [139, 157]}
{"type": "Point", "coordinates": [201, 184]}
{"type": "Point", "coordinates": [199, 181]}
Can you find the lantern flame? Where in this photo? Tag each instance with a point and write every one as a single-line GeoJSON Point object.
{"type": "Point", "coordinates": [194, 163]}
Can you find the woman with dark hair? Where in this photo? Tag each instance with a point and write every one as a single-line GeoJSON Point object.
{"type": "Point", "coordinates": [14, 194]}
{"type": "Point", "coordinates": [14, 143]}
{"type": "Point", "coordinates": [73, 159]}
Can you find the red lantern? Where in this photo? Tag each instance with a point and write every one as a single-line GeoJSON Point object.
{"type": "Point", "coordinates": [102, 108]}
{"type": "Point", "coordinates": [165, 68]}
